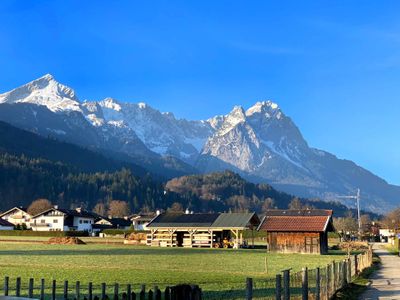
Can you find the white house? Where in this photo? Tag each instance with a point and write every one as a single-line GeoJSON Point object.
{"type": "Point", "coordinates": [5, 225]}
{"type": "Point", "coordinates": [17, 216]}
{"type": "Point", "coordinates": [140, 221]}
{"type": "Point", "coordinates": [57, 219]}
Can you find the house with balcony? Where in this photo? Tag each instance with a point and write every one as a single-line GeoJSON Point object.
{"type": "Point", "coordinates": [17, 215]}
{"type": "Point", "coordinates": [59, 219]}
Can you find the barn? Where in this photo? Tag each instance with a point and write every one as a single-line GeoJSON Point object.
{"type": "Point", "coordinates": [205, 230]}
{"type": "Point", "coordinates": [298, 231]}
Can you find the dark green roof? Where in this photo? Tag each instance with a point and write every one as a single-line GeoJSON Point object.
{"type": "Point", "coordinates": [214, 220]}
{"type": "Point", "coordinates": [237, 220]}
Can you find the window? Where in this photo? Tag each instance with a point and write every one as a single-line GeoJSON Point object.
{"type": "Point", "coordinates": [86, 221]}
{"type": "Point", "coordinates": [42, 221]}
{"type": "Point", "coordinates": [80, 221]}
{"type": "Point", "coordinates": [55, 220]}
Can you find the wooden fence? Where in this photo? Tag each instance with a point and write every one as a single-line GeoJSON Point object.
{"type": "Point", "coordinates": [53, 292]}
{"type": "Point", "coordinates": [318, 284]}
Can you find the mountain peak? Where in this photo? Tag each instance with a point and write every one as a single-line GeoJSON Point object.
{"type": "Point", "coordinates": [263, 106]}
{"type": "Point", "coordinates": [45, 91]}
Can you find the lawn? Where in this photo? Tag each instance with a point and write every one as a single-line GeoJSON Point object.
{"type": "Point", "coordinates": [211, 269]}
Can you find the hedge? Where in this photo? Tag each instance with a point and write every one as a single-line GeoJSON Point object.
{"type": "Point", "coordinates": [117, 231]}
{"type": "Point", "coordinates": [42, 233]}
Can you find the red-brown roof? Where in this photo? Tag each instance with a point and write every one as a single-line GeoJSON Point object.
{"type": "Point", "coordinates": [297, 221]}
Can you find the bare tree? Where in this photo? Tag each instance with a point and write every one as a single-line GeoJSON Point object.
{"type": "Point", "coordinates": [176, 207]}
{"type": "Point", "coordinates": [118, 209]}
{"type": "Point", "coordinates": [100, 209]}
{"type": "Point", "coordinates": [269, 203]}
{"type": "Point", "coordinates": [295, 204]}
{"type": "Point", "coordinates": [38, 206]}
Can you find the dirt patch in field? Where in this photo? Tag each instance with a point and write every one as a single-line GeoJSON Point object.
{"type": "Point", "coordinates": [65, 241]}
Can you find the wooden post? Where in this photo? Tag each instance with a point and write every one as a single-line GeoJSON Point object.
{"type": "Point", "coordinates": [344, 273]}
{"type": "Point", "coordinates": [157, 293]}
{"type": "Point", "coordinates": [18, 287]}
{"type": "Point", "coordinates": [30, 288]}
{"type": "Point", "coordinates": [53, 290]}
{"type": "Point", "coordinates": [150, 295]}
{"type": "Point", "coordinates": [65, 289]}
{"type": "Point", "coordinates": [129, 291]}
{"type": "Point", "coordinates": [356, 264]}
{"type": "Point", "coordinates": [78, 290]}
{"type": "Point", "coordinates": [6, 285]}
{"type": "Point", "coordinates": [103, 291]}
{"type": "Point", "coordinates": [116, 291]}
{"type": "Point", "coordinates": [90, 291]}
{"type": "Point", "coordinates": [328, 281]}
{"type": "Point", "coordinates": [249, 288]}
{"type": "Point", "coordinates": [304, 284]}
{"type": "Point", "coordinates": [348, 270]}
{"type": "Point", "coordinates": [286, 285]}
{"type": "Point", "coordinates": [317, 284]}
{"type": "Point", "coordinates": [142, 295]}
{"type": "Point", "coordinates": [167, 294]}
{"type": "Point", "coordinates": [334, 276]}
{"type": "Point", "coordinates": [42, 289]}
{"type": "Point", "coordinates": [212, 239]}
{"type": "Point", "coordinates": [278, 287]}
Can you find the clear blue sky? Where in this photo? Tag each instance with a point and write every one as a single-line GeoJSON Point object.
{"type": "Point", "coordinates": [333, 66]}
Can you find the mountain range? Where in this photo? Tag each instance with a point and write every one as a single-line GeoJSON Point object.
{"type": "Point", "coordinates": [261, 143]}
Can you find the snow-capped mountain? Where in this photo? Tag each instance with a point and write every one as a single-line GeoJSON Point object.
{"type": "Point", "coordinates": [261, 143]}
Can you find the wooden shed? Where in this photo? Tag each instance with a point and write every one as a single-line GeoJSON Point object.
{"type": "Point", "coordinates": [297, 231]}
{"type": "Point", "coordinates": [200, 230]}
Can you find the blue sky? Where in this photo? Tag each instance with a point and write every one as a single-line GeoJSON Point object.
{"type": "Point", "coordinates": [332, 66]}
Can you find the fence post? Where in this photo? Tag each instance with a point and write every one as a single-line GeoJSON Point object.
{"type": "Point", "coordinates": [18, 287]}
{"type": "Point", "coordinates": [328, 281]}
{"type": "Point", "coordinates": [286, 284]}
{"type": "Point", "coordinates": [317, 284]}
{"type": "Point", "coordinates": [157, 293]}
{"type": "Point", "coordinates": [334, 272]}
{"type": "Point", "coordinates": [150, 295]}
{"type": "Point", "coordinates": [6, 285]}
{"type": "Point", "coordinates": [30, 288]}
{"type": "Point", "coordinates": [42, 289]}
{"type": "Point", "coordinates": [249, 288]}
{"type": "Point", "coordinates": [90, 291]}
{"type": "Point", "coordinates": [53, 290]}
{"type": "Point", "coordinates": [103, 291]}
{"type": "Point", "coordinates": [356, 264]}
{"type": "Point", "coordinates": [344, 272]}
{"type": "Point", "coordinates": [65, 289]}
{"type": "Point", "coordinates": [167, 294]}
{"type": "Point", "coordinates": [142, 292]}
{"type": "Point", "coordinates": [304, 284]}
{"type": "Point", "coordinates": [129, 291]}
{"type": "Point", "coordinates": [348, 270]}
{"type": "Point", "coordinates": [116, 291]}
{"type": "Point", "coordinates": [77, 290]}
{"type": "Point", "coordinates": [278, 287]}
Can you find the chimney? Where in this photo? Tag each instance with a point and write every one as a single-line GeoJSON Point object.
{"type": "Point", "coordinates": [79, 209]}
{"type": "Point", "coordinates": [158, 212]}
{"type": "Point", "coordinates": [55, 206]}
{"type": "Point", "coordinates": [187, 211]}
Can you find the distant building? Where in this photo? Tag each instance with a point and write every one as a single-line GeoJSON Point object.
{"type": "Point", "coordinates": [17, 216]}
{"type": "Point", "coordinates": [298, 231]}
{"type": "Point", "coordinates": [200, 230]}
{"type": "Point", "coordinates": [5, 225]}
{"type": "Point", "coordinates": [140, 221]}
{"type": "Point", "coordinates": [112, 223]}
{"type": "Point", "coordinates": [57, 219]}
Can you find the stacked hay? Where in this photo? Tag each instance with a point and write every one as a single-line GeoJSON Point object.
{"type": "Point", "coordinates": [65, 241]}
{"type": "Point", "coordinates": [136, 238]}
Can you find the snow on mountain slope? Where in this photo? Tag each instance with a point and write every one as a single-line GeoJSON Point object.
{"type": "Point", "coordinates": [261, 143]}
{"type": "Point", "coordinates": [44, 91]}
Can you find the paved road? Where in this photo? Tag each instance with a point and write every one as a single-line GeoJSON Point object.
{"type": "Point", "coordinates": [386, 281]}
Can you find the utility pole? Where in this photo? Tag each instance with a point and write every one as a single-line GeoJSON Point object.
{"type": "Point", "coordinates": [357, 197]}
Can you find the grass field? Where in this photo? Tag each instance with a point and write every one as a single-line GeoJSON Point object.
{"type": "Point", "coordinates": [212, 269]}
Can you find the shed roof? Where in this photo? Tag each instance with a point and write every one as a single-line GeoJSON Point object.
{"type": "Point", "coordinates": [183, 220]}
{"type": "Point", "coordinates": [211, 220]}
{"type": "Point", "coordinates": [297, 221]}
{"type": "Point", "coordinates": [236, 220]}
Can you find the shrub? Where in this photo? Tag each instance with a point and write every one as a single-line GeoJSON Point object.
{"type": "Point", "coordinates": [42, 233]}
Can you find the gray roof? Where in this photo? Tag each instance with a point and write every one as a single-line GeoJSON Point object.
{"type": "Point", "coordinates": [238, 220]}
{"type": "Point", "coordinates": [211, 220]}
